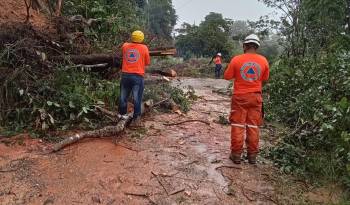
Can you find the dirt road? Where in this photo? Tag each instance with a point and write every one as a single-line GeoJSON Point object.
{"type": "Point", "coordinates": [180, 164]}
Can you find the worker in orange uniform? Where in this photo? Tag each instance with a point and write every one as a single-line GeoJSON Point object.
{"type": "Point", "coordinates": [218, 65]}
{"type": "Point", "coordinates": [135, 59]}
{"type": "Point", "coordinates": [249, 71]}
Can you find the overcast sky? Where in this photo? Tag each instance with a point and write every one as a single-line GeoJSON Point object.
{"type": "Point", "coordinates": [194, 11]}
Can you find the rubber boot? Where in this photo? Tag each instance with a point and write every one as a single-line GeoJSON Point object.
{"type": "Point", "coordinates": [252, 158]}
{"type": "Point", "coordinates": [236, 158]}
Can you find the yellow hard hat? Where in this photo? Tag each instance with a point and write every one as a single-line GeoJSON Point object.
{"type": "Point", "coordinates": [137, 37]}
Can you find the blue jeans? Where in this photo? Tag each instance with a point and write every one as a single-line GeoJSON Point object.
{"type": "Point", "coordinates": [218, 70]}
{"type": "Point", "coordinates": [131, 83]}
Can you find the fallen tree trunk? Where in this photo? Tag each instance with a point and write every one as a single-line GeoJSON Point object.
{"type": "Point", "coordinates": [151, 79]}
{"type": "Point", "coordinates": [109, 58]}
{"type": "Point", "coordinates": [104, 132]}
{"type": "Point", "coordinates": [88, 59]}
{"type": "Point", "coordinates": [168, 73]}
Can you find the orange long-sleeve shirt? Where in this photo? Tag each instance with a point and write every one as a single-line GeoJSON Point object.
{"type": "Point", "coordinates": [135, 58]}
{"type": "Point", "coordinates": [248, 71]}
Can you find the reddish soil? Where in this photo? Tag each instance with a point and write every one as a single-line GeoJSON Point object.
{"type": "Point", "coordinates": [14, 11]}
{"type": "Point", "coordinates": [182, 164]}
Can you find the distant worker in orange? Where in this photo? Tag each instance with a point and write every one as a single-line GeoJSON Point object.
{"type": "Point", "coordinates": [135, 59]}
{"type": "Point", "coordinates": [249, 71]}
{"type": "Point", "coordinates": [218, 65]}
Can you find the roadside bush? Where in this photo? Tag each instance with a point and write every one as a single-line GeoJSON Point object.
{"type": "Point", "coordinates": [59, 101]}
{"type": "Point", "coordinates": [312, 97]}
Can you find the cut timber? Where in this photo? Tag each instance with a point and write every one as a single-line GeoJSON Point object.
{"type": "Point", "coordinates": [149, 79]}
{"type": "Point", "coordinates": [104, 132]}
{"type": "Point", "coordinates": [108, 58]}
{"type": "Point", "coordinates": [169, 73]}
{"type": "Point", "coordinates": [88, 59]}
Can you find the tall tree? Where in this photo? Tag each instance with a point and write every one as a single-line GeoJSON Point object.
{"type": "Point", "coordinates": [310, 26]}
{"type": "Point", "coordinates": [161, 17]}
{"type": "Point", "coordinates": [211, 36]}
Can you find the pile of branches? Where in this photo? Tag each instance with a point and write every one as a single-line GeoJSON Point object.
{"type": "Point", "coordinates": [27, 65]}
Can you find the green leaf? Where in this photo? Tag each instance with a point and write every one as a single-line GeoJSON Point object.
{"type": "Point", "coordinates": [344, 104]}
{"type": "Point", "coordinates": [49, 103]}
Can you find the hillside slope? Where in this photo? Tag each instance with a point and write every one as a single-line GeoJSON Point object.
{"type": "Point", "coordinates": [14, 11]}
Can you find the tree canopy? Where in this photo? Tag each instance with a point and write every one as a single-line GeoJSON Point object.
{"type": "Point", "coordinates": [211, 36]}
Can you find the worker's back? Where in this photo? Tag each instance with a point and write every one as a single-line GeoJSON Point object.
{"type": "Point", "coordinates": [248, 70]}
{"type": "Point", "coordinates": [135, 58]}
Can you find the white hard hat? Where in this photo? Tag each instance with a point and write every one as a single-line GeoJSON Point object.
{"type": "Point", "coordinates": [252, 38]}
{"type": "Point", "coordinates": [219, 54]}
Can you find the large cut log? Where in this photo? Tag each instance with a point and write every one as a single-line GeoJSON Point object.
{"type": "Point", "coordinates": [169, 72]}
{"type": "Point", "coordinates": [88, 59]}
{"type": "Point", "coordinates": [109, 58]}
{"type": "Point", "coordinates": [153, 79]}
{"type": "Point", "coordinates": [104, 132]}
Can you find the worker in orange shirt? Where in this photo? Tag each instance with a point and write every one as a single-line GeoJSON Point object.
{"type": "Point", "coordinates": [218, 65]}
{"type": "Point", "coordinates": [135, 59]}
{"type": "Point", "coordinates": [249, 71]}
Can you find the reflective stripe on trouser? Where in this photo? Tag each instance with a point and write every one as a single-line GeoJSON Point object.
{"type": "Point", "coordinates": [245, 119]}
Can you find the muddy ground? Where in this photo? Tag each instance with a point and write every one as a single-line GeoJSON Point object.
{"type": "Point", "coordinates": [181, 164]}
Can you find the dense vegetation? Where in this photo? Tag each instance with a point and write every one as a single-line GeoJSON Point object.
{"type": "Point", "coordinates": [115, 20]}
{"type": "Point", "coordinates": [310, 89]}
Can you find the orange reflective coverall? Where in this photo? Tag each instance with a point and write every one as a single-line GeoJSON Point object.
{"type": "Point", "coordinates": [248, 71]}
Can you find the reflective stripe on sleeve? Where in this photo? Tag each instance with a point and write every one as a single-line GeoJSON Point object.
{"type": "Point", "coordinates": [238, 125]}
{"type": "Point", "coordinates": [252, 126]}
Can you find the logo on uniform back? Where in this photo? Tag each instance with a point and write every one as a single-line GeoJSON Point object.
{"type": "Point", "coordinates": [132, 55]}
{"type": "Point", "coordinates": [250, 71]}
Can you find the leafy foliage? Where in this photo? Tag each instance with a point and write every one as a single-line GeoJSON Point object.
{"type": "Point", "coordinates": [115, 19]}
{"type": "Point", "coordinates": [309, 90]}
{"type": "Point", "coordinates": [66, 99]}
{"type": "Point", "coordinates": [205, 40]}
{"type": "Point", "coordinates": [316, 105]}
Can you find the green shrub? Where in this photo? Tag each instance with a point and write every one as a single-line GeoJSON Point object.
{"type": "Point", "coordinates": [64, 99]}
{"type": "Point", "coordinates": [312, 97]}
